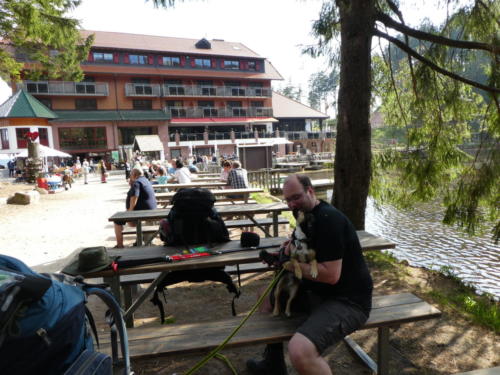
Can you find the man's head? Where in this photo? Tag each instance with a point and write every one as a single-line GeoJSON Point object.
{"type": "Point", "coordinates": [178, 164]}
{"type": "Point", "coordinates": [236, 164]}
{"type": "Point", "coordinates": [299, 193]}
{"type": "Point", "coordinates": [135, 173]}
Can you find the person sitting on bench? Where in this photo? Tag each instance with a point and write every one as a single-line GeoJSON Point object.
{"type": "Point", "coordinates": [337, 302]}
{"type": "Point", "coordinates": [140, 196]}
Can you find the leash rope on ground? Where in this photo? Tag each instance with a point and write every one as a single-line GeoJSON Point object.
{"type": "Point", "coordinates": [221, 346]}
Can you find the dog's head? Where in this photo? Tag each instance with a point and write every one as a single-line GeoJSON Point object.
{"type": "Point", "coordinates": [299, 237]}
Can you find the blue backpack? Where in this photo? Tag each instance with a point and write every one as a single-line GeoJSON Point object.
{"type": "Point", "coordinates": [45, 326]}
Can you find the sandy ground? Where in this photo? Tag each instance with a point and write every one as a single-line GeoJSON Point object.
{"type": "Point", "coordinates": [60, 224]}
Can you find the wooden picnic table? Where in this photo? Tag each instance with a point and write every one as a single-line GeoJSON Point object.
{"type": "Point", "coordinates": [368, 242]}
{"type": "Point", "coordinates": [248, 210]}
{"type": "Point", "coordinates": [196, 183]}
{"type": "Point", "coordinates": [221, 194]}
{"type": "Point", "coordinates": [206, 179]}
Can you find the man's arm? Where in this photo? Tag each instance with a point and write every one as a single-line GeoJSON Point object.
{"type": "Point", "coordinates": [328, 272]}
{"type": "Point", "coordinates": [133, 202]}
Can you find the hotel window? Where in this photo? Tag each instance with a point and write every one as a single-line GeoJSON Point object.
{"type": "Point", "coordinates": [20, 137]}
{"type": "Point", "coordinates": [46, 102]}
{"type": "Point", "coordinates": [4, 139]}
{"type": "Point", "coordinates": [83, 138]}
{"type": "Point", "coordinates": [206, 87]}
{"type": "Point", "coordinates": [174, 87]}
{"type": "Point", "coordinates": [171, 61]}
{"type": "Point", "coordinates": [143, 104]}
{"type": "Point", "coordinates": [231, 64]}
{"type": "Point", "coordinates": [235, 88]}
{"type": "Point", "coordinates": [37, 87]}
{"type": "Point", "coordinates": [256, 88]}
{"type": "Point", "coordinates": [176, 109]}
{"type": "Point", "coordinates": [236, 108]}
{"type": "Point", "coordinates": [142, 86]}
{"type": "Point", "coordinates": [202, 63]}
{"type": "Point", "coordinates": [102, 57]}
{"type": "Point", "coordinates": [87, 86]}
{"type": "Point", "coordinates": [138, 59]}
{"type": "Point", "coordinates": [86, 104]}
{"type": "Point", "coordinates": [252, 65]}
{"type": "Point", "coordinates": [208, 107]}
{"type": "Point", "coordinates": [43, 135]}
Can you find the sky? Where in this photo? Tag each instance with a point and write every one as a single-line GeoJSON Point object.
{"type": "Point", "coordinates": [274, 29]}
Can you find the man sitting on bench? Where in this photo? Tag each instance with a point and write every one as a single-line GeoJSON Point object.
{"type": "Point", "coordinates": [337, 302]}
{"type": "Point", "coordinates": [140, 196]}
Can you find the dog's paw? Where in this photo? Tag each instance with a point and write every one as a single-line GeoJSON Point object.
{"type": "Point", "coordinates": [288, 314]}
{"type": "Point", "coordinates": [314, 273]}
{"type": "Point", "coordinates": [276, 312]}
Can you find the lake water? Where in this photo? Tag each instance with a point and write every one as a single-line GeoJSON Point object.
{"type": "Point", "coordinates": [423, 241]}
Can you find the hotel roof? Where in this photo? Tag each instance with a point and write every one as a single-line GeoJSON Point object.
{"type": "Point", "coordinates": [125, 41]}
{"type": "Point", "coordinates": [284, 107]}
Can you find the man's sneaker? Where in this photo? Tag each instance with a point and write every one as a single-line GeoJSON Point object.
{"type": "Point", "coordinates": [273, 362]}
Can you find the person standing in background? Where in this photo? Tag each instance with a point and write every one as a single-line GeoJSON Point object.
{"type": "Point", "coordinates": [85, 171]}
{"type": "Point", "coordinates": [104, 171]}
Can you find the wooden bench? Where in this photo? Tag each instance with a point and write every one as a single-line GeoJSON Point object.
{"type": "Point", "coordinates": [388, 311]}
{"type": "Point", "coordinates": [485, 371]}
{"type": "Point", "coordinates": [267, 221]}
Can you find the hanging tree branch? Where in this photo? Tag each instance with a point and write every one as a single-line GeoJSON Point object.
{"type": "Point", "coordinates": [432, 65]}
{"type": "Point", "coordinates": [389, 22]}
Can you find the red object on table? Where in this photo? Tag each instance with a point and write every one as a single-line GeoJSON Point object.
{"type": "Point", "coordinates": [189, 256]}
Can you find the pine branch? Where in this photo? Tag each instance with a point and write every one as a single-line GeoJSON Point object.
{"type": "Point", "coordinates": [432, 65]}
{"type": "Point", "coordinates": [421, 35]}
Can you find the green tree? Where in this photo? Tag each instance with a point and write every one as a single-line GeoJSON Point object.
{"type": "Point", "coordinates": [41, 33]}
{"type": "Point", "coordinates": [323, 89]}
{"type": "Point", "coordinates": [291, 91]}
{"type": "Point", "coordinates": [429, 97]}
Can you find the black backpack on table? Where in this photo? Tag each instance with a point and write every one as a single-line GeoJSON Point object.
{"type": "Point", "coordinates": [193, 220]}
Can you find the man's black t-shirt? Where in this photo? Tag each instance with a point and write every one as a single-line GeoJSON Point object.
{"type": "Point", "coordinates": [143, 189]}
{"type": "Point", "coordinates": [333, 238]}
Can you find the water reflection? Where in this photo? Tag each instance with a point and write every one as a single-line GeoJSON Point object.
{"type": "Point", "coordinates": [423, 241]}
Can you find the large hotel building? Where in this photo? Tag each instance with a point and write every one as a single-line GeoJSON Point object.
{"type": "Point", "coordinates": [193, 96]}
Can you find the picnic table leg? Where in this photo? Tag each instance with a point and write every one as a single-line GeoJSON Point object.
{"type": "Point", "coordinates": [130, 311]}
{"type": "Point", "coordinates": [114, 284]}
{"type": "Point", "coordinates": [357, 350]}
{"type": "Point", "coordinates": [275, 224]}
{"type": "Point", "coordinates": [139, 233]}
{"type": "Point", "coordinates": [127, 300]}
{"type": "Point", "coordinates": [250, 216]}
{"type": "Point", "coordinates": [383, 351]}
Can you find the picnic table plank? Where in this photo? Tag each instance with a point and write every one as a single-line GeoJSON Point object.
{"type": "Point", "coordinates": [202, 184]}
{"type": "Point", "coordinates": [237, 209]}
{"type": "Point", "coordinates": [368, 242]}
{"type": "Point", "coordinates": [261, 328]}
{"type": "Point", "coordinates": [217, 193]}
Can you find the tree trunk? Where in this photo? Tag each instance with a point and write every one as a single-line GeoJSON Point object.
{"type": "Point", "coordinates": [352, 169]}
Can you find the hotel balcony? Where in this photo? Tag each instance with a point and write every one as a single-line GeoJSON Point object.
{"type": "Point", "coordinates": [220, 136]}
{"type": "Point", "coordinates": [224, 112]}
{"type": "Point", "coordinates": [216, 91]}
{"type": "Point", "coordinates": [142, 89]}
{"type": "Point", "coordinates": [65, 88]}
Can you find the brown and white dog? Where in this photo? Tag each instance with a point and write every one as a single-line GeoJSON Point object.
{"type": "Point", "coordinates": [299, 253]}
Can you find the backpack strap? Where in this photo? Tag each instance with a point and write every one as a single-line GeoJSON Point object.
{"type": "Point", "coordinates": [22, 291]}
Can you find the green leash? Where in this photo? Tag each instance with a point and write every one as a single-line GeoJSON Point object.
{"type": "Point", "coordinates": [216, 351]}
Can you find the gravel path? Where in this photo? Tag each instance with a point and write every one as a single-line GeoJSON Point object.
{"type": "Point", "coordinates": [60, 224]}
